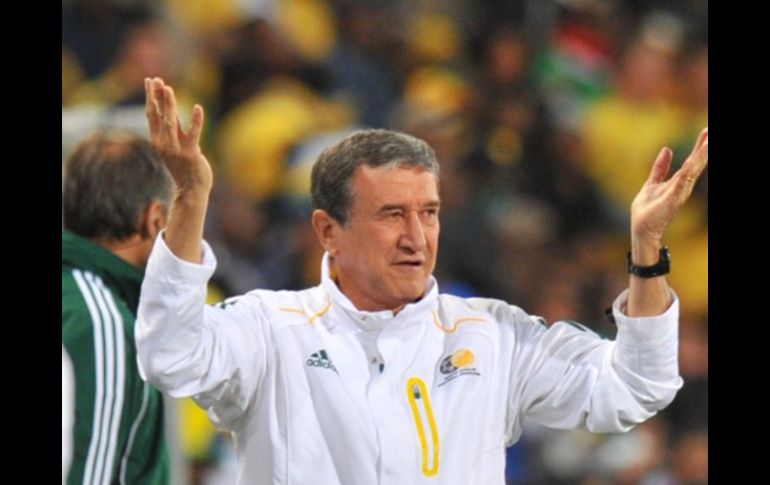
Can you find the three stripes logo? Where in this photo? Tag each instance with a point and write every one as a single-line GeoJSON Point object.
{"type": "Point", "coordinates": [321, 359]}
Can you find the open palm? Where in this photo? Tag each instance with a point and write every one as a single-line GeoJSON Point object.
{"type": "Point", "coordinates": [182, 153]}
{"type": "Point", "coordinates": [659, 199]}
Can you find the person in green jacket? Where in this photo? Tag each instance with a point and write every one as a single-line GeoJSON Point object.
{"type": "Point", "coordinates": [116, 196]}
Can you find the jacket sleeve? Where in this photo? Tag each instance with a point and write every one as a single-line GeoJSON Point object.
{"type": "Point", "coordinates": [215, 354]}
{"type": "Point", "coordinates": [567, 376]}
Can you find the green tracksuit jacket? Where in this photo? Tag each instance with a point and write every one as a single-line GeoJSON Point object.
{"type": "Point", "coordinates": [119, 428]}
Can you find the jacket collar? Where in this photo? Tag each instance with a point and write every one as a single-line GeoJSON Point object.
{"type": "Point", "coordinates": [121, 276]}
{"type": "Point", "coordinates": [341, 304]}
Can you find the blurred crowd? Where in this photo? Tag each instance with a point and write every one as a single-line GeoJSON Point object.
{"type": "Point", "coordinates": [545, 116]}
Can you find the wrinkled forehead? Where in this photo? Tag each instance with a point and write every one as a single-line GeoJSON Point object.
{"type": "Point", "coordinates": [394, 184]}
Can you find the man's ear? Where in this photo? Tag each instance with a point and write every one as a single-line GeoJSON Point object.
{"type": "Point", "coordinates": [327, 230]}
{"type": "Point", "coordinates": [153, 220]}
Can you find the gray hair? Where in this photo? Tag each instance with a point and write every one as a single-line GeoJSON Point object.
{"type": "Point", "coordinates": [332, 175]}
{"type": "Point", "coordinates": [110, 180]}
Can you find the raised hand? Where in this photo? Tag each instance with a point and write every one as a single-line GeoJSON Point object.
{"type": "Point", "coordinates": [182, 153]}
{"type": "Point", "coordinates": [188, 166]}
{"type": "Point", "coordinates": [659, 200]}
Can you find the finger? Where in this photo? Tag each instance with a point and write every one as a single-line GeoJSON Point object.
{"type": "Point", "coordinates": [150, 107]}
{"type": "Point", "coordinates": [661, 166]}
{"type": "Point", "coordinates": [170, 117]}
{"type": "Point", "coordinates": [157, 101]}
{"type": "Point", "coordinates": [701, 158]}
{"type": "Point", "coordinates": [196, 126]}
{"type": "Point", "coordinates": [181, 135]}
{"type": "Point", "coordinates": [167, 102]}
{"type": "Point", "coordinates": [170, 107]}
{"type": "Point", "coordinates": [680, 188]}
{"type": "Point", "coordinates": [697, 162]}
{"type": "Point", "coordinates": [149, 98]}
{"type": "Point", "coordinates": [159, 95]}
{"type": "Point", "coordinates": [702, 137]}
{"type": "Point", "coordinates": [686, 178]}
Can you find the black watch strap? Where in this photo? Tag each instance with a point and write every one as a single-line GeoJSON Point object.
{"type": "Point", "coordinates": [663, 266]}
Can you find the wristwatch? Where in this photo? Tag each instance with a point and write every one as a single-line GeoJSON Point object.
{"type": "Point", "coordinates": [663, 266]}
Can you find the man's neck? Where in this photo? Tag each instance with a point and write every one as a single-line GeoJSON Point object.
{"type": "Point", "coordinates": [134, 249]}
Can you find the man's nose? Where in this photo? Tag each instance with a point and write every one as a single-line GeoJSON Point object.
{"type": "Point", "coordinates": [414, 233]}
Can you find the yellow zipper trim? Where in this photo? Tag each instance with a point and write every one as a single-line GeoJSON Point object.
{"type": "Point", "coordinates": [310, 319]}
{"type": "Point", "coordinates": [415, 390]}
{"type": "Point", "coordinates": [456, 324]}
{"type": "Point", "coordinates": [293, 310]}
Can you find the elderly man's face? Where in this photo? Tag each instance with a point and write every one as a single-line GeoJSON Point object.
{"type": "Point", "coordinates": [387, 251]}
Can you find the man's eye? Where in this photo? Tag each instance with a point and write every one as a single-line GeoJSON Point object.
{"type": "Point", "coordinates": [429, 216]}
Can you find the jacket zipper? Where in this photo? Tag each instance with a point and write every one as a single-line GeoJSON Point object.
{"type": "Point", "coordinates": [417, 393]}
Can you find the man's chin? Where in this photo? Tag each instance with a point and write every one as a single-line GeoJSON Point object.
{"type": "Point", "coordinates": [414, 295]}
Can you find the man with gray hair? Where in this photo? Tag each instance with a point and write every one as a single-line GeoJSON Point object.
{"type": "Point", "coordinates": [373, 376]}
{"type": "Point", "coordinates": [115, 199]}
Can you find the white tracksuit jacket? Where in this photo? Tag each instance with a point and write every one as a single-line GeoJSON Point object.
{"type": "Point", "coordinates": [317, 392]}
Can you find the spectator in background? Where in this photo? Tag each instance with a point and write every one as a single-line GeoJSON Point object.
{"type": "Point", "coordinates": [116, 197]}
{"type": "Point", "coordinates": [143, 47]}
{"type": "Point", "coordinates": [639, 115]}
